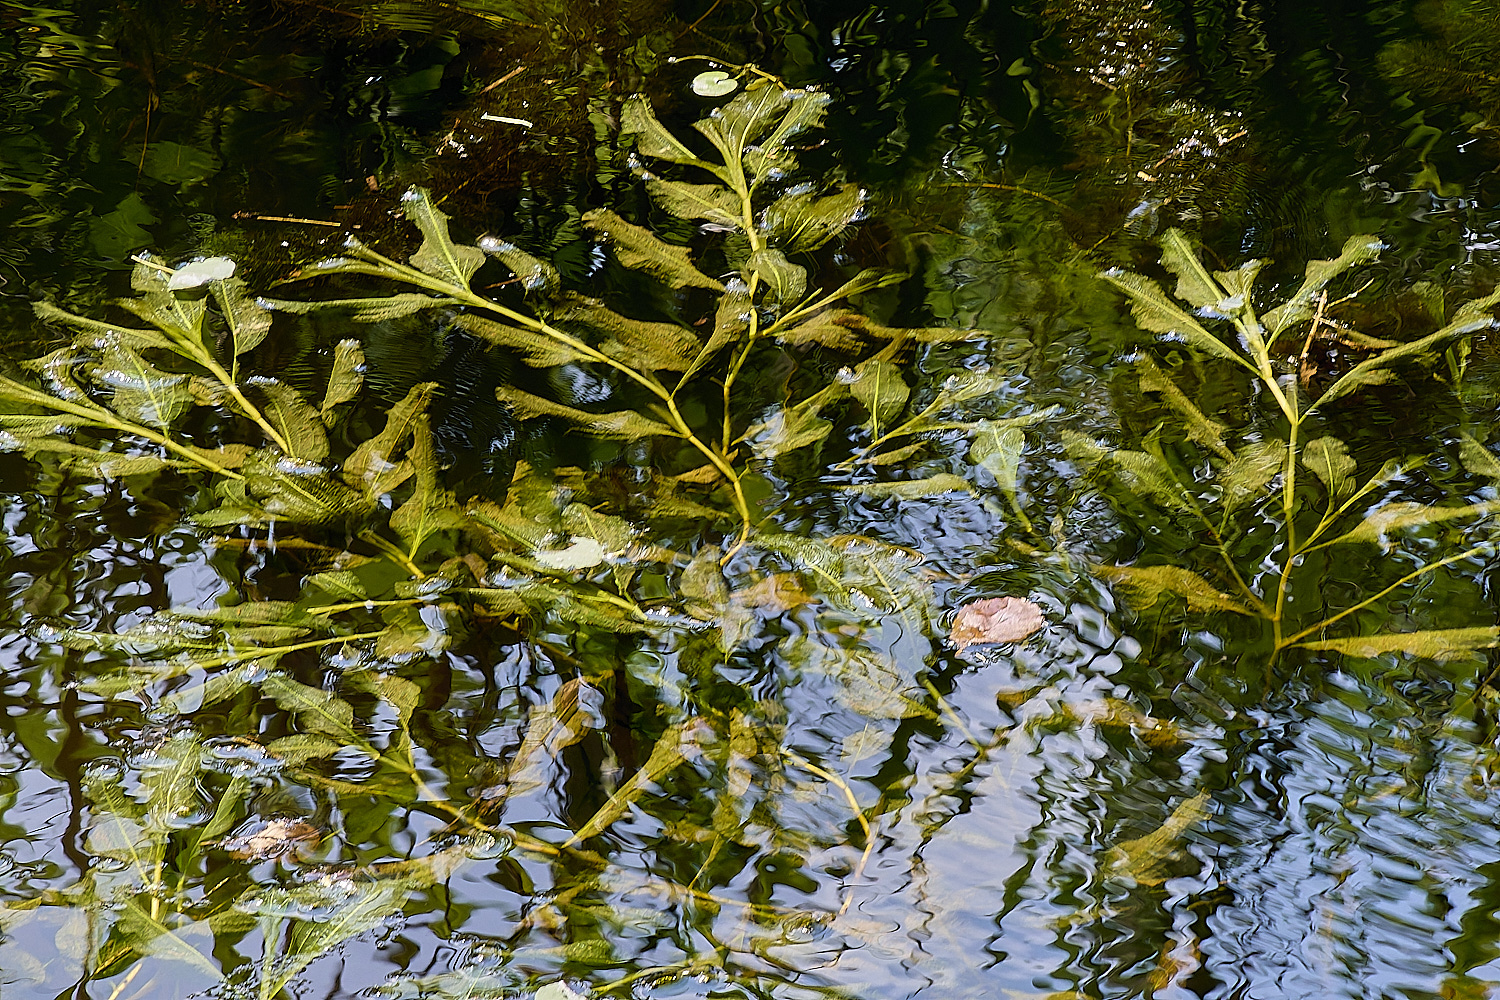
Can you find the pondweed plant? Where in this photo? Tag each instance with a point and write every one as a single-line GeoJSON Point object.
{"type": "Point", "coordinates": [401, 569]}
{"type": "Point", "coordinates": [1287, 472]}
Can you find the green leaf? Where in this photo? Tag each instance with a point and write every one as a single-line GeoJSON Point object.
{"type": "Point", "coordinates": [881, 391]}
{"type": "Point", "coordinates": [1155, 312]}
{"type": "Point", "coordinates": [1148, 585]}
{"type": "Point", "coordinates": [639, 249]}
{"type": "Point", "coordinates": [116, 233]}
{"type": "Point", "coordinates": [712, 203]}
{"type": "Point", "coordinates": [869, 683]}
{"type": "Point", "coordinates": [373, 468]}
{"type": "Point", "coordinates": [102, 334]}
{"type": "Point", "coordinates": [289, 489]}
{"type": "Point", "coordinates": [345, 380]}
{"type": "Point", "coordinates": [1151, 477]}
{"type": "Point", "coordinates": [249, 322]}
{"type": "Point", "coordinates": [837, 329]}
{"type": "Point", "coordinates": [550, 729]}
{"type": "Point", "coordinates": [670, 752]}
{"type": "Point", "coordinates": [622, 424]}
{"type": "Point", "coordinates": [430, 508]}
{"type": "Point", "coordinates": [786, 281]}
{"type": "Point", "coordinates": [175, 163]}
{"type": "Point", "coordinates": [643, 345]}
{"type": "Point", "coordinates": [535, 274]}
{"type": "Point", "coordinates": [327, 912]}
{"type": "Point", "coordinates": [1396, 516]}
{"type": "Point", "coordinates": [371, 309]}
{"type": "Point", "coordinates": [149, 935]}
{"type": "Point", "coordinates": [293, 417]}
{"type": "Point", "coordinates": [1241, 281]}
{"type": "Point", "coordinates": [804, 110]}
{"type": "Point", "coordinates": [1300, 307]}
{"type": "Point", "coordinates": [1195, 285]}
{"type": "Point", "coordinates": [1328, 459]}
{"type": "Point", "coordinates": [739, 123]}
{"type": "Point", "coordinates": [536, 349]}
{"type": "Point", "coordinates": [1478, 459]}
{"type": "Point", "coordinates": [1143, 859]}
{"type": "Point", "coordinates": [439, 256]}
{"type": "Point", "coordinates": [803, 221]}
{"type": "Point", "coordinates": [786, 430]}
{"type": "Point", "coordinates": [141, 392]}
{"type": "Point", "coordinates": [1200, 428]}
{"type": "Point", "coordinates": [1472, 317]}
{"type": "Point", "coordinates": [652, 138]}
{"type": "Point", "coordinates": [1433, 644]}
{"type": "Point", "coordinates": [1245, 479]}
{"type": "Point", "coordinates": [912, 489]}
{"type": "Point", "coordinates": [997, 448]}
{"type": "Point", "coordinates": [318, 712]}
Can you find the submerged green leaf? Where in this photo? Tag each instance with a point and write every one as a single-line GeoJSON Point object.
{"type": "Point", "coordinates": [912, 489]}
{"type": "Point", "coordinates": [626, 425]}
{"type": "Point", "coordinates": [804, 221]}
{"type": "Point", "coordinates": [639, 249]}
{"type": "Point", "coordinates": [651, 137]}
{"type": "Point", "coordinates": [439, 256]}
{"type": "Point", "coordinates": [293, 417]}
{"type": "Point", "coordinates": [1328, 459]}
{"type": "Point", "coordinates": [1300, 307]}
{"type": "Point", "coordinates": [1396, 516]}
{"type": "Point", "coordinates": [1143, 859]}
{"type": "Point", "coordinates": [1205, 431]}
{"type": "Point", "coordinates": [713, 203]}
{"type": "Point", "coordinates": [880, 389]}
{"type": "Point", "coordinates": [1472, 317]}
{"type": "Point", "coordinates": [1432, 644]}
{"type": "Point", "coordinates": [345, 380]}
{"type": "Point", "coordinates": [1148, 585]}
{"type": "Point", "coordinates": [1159, 314]}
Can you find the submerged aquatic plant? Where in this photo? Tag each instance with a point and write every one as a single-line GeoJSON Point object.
{"type": "Point", "coordinates": [1290, 472]}
{"type": "Point", "coordinates": [398, 568]}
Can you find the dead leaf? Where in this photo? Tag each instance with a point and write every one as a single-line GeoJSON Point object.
{"type": "Point", "coordinates": [995, 619]}
{"type": "Point", "coordinates": [280, 838]}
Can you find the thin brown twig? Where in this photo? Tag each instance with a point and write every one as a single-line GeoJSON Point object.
{"type": "Point", "coordinates": [504, 79]}
{"type": "Point", "coordinates": [694, 25]}
{"type": "Point", "coordinates": [288, 218]}
{"type": "Point", "coordinates": [1007, 187]}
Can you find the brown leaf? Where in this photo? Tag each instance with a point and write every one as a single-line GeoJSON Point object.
{"type": "Point", "coordinates": [278, 838]}
{"type": "Point", "coordinates": [995, 619]}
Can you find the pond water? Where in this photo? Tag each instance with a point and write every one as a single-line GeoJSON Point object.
{"type": "Point", "coordinates": [506, 708]}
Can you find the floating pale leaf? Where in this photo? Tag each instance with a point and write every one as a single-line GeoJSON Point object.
{"type": "Point", "coordinates": [994, 620]}
{"type": "Point", "coordinates": [714, 83]}
{"type": "Point", "coordinates": [201, 272]}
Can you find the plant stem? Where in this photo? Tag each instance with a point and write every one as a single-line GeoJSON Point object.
{"type": "Point", "coordinates": [1415, 574]}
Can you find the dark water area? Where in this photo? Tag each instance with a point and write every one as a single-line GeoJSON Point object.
{"type": "Point", "coordinates": [1249, 753]}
